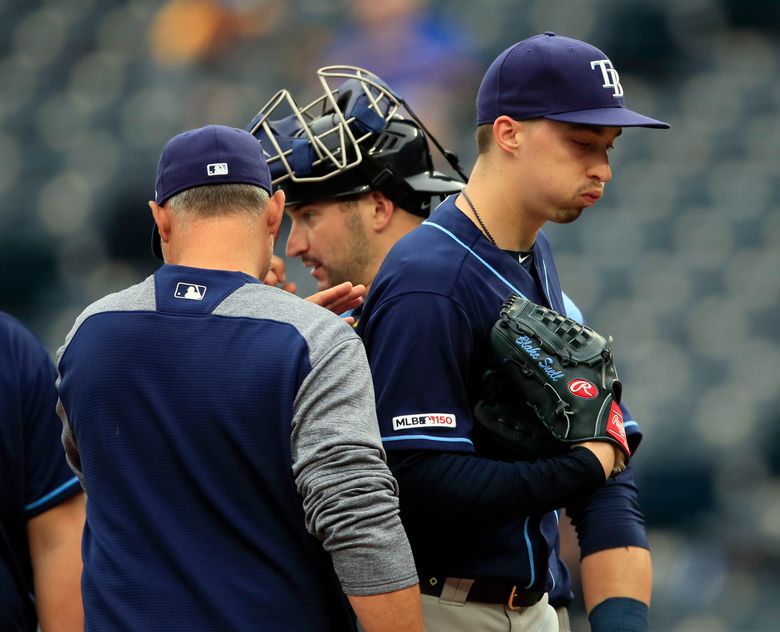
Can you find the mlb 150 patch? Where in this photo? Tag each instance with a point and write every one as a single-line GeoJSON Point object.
{"type": "Point", "coordinates": [424, 420]}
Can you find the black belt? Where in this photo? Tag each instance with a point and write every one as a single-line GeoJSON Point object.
{"type": "Point", "coordinates": [486, 591]}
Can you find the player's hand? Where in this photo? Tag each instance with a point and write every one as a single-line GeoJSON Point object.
{"type": "Point", "coordinates": [277, 275]}
{"type": "Point", "coordinates": [340, 298]}
{"type": "Point", "coordinates": [611, 457]}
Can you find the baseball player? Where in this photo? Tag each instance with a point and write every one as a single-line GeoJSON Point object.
{"type": "Point", "coordinates": [346, 217]}
{"type": "Point", "coordinates": [323, 232]}
{"type": "Point", "coordinates": [224, 430]}
{"type": "Point", "coordinates": [484, 529]}
{"type": "Point", "coordinates": [41, 504]}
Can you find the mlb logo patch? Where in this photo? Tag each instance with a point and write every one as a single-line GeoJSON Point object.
{"type": "Point", "coordinates": [217, 169]}
{"type": "Point", "coordinates": [190, 291]}
{"type": "Point", "coordinates": [425, 420]}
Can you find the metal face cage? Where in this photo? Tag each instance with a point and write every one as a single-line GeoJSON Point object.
{"type": "Point", "coordinates": [327, 133]}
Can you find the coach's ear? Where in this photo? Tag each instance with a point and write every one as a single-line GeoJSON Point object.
{"type": "Point", "coordinates": [274, 211]}
{"type": "Point", "coordinates": [162, 217]}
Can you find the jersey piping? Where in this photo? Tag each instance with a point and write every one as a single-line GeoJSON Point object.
{"type": "Point", "coordinates": [480, 259]}
{"type": "Point", "coordinates": [52, 494]}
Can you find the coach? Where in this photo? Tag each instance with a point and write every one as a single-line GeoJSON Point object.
{"type": "Point", "coordinates": [224, 430]}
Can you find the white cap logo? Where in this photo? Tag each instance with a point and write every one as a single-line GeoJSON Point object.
{"type": "Point", "coordinates": [217, 169]}
{"type": "Point", "coordinates": [610, 76]}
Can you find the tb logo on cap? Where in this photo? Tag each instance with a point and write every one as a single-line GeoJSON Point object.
{"type": "Point", "coordinates": [610, 76]}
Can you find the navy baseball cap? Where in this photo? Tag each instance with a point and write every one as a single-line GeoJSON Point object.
{"type": "Point", "coordinates": [558, 78]}
{"type": "Point", "coordinates": [214, 154]}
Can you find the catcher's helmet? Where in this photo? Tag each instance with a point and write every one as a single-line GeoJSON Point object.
{"type": "Point", "coordinates": [349, 141]}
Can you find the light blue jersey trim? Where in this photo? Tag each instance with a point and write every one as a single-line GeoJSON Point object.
{"type": "Point", "coordinates": [480, 259]}
{"type": "Point", "coordinates": [549, 570]}
{"type": "Point", "coordinates": [530, 552]}
{"type": "Point", "coordinates": [414, 437]}
{"type": "Point", "coordinates": [52, 494]}
{"type": "Point", "coordinates": [572, 311]}
{"type": "Point", "coordinates": [546, 284]}
{"type": "Point", "coordinates": [630, 423]}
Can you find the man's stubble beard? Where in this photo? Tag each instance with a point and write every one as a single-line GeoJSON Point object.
{"type": "Point", "coordinates": [567, 215]}
{"type": "Point", "coordinates": [356, 255]}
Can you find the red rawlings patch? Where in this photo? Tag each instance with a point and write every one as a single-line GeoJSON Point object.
{"type": "Point", "coordinates": [583, 388]}
{"type": "Point", "coordinates": [615, 426]}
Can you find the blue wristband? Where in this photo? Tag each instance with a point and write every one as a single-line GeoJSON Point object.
{"type": "Point", "coordinates": [619, 614]}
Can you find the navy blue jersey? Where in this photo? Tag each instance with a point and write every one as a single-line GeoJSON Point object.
{"type": "Point", "coordinates": [33, 473]}
{"type": "Point", "coordinates": [221, 428]}
{"type": "Point", "coordinates": [426, 326]}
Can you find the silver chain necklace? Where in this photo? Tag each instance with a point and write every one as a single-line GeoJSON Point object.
{"type": "Point", "coordinates": [479, 219]}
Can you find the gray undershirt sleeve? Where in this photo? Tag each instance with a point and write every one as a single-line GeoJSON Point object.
{"type": "Point", "coordinates": [350, 497]}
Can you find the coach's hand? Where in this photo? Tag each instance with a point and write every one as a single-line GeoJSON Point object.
{"type": "Point", "coordinates": [337, 299]}
{"type": "Point", "coordinates": [340, 298]}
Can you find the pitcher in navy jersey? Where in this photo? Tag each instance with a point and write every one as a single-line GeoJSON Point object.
{"type": "Point", "coordinates": [224, 430]}
{"type": "Point", "coordinates": [483, 528]}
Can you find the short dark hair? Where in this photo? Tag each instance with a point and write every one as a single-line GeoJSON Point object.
{"type": "Point", "coordinates": [484, 138]}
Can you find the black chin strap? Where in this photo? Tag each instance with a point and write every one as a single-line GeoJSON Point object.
{"type": "Point", "coordinates": [450, 156]}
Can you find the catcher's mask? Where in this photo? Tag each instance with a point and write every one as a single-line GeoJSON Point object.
{"type": "Point", "coordinates": [351, 140]}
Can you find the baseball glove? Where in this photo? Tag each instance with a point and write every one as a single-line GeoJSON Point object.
{"type": "Point", "coordinates": [556, 384]}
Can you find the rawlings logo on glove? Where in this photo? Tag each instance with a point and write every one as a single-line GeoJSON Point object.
{"type": "Point", "coordinates": [556, 384]}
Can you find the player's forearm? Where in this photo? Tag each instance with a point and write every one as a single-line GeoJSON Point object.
{"type": "Point", "coordinates": [55, 550]}
{"type": "Point", "coordinates": [611, 517]}
{"type": "Point", "coordinates": [399, 611]}
{"type": "Point", "coordinates": [471, 488]}
{"type": "Point", "coordinates": [623, 572]}
{"type": "Point", "coordinates": [58, 594]}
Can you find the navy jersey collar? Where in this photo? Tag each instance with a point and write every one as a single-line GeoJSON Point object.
{"type": "Point", "coordinates": [546, 292]}
{"type": "Point", "coordinates": [196, 291]}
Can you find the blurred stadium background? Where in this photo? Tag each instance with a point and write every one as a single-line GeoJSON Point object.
{"type": "Point", "coordinates": [680, 262]}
